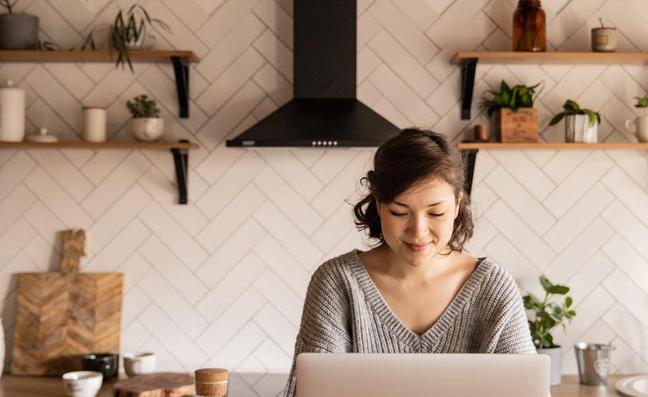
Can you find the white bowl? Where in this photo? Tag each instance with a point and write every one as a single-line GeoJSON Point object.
{"type": "Point", "coordinates": [141, 363]}
{"type": "Point", "coordinates": [82, 383]}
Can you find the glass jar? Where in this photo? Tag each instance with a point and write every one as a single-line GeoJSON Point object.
{"type": "Point", "coordinates": [529, 27]}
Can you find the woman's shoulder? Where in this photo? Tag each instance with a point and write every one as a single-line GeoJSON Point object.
{"type": "Point", "coordinates": [496, 281]}
{"type": "Point", "coordinates": [338, 268]}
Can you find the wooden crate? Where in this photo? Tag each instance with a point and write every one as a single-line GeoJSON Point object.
{"type": "Point", "coordinates": [520, 126]}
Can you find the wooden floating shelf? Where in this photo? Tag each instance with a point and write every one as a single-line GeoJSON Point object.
{"type": "Point", "coordinates": [93, 56]}
{"type": "Point", "coordinates": [584, 57]}
{"type": "Point", "coordinates": [553, 146]}
{"type": "Point", "coordinates": [99, 145]}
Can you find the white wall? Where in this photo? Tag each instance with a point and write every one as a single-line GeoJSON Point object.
{"type": "Point", "coordinates": [220, 282]}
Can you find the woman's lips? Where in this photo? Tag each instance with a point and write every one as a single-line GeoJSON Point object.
{"type": "Point", "coordinates": [417, 247]}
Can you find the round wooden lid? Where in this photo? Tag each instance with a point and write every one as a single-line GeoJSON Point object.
{"type": "Point", "coordinates": [211, 375]}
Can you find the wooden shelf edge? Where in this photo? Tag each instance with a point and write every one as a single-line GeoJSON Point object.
{"type": "Point", "coordinates": [553, 146]}
{"type": "Point", "coordinates": [99, 145]}
{"type": "Point", "coordinates": [552, 57]}
{"type": "Point", "coordinates": [93, 55]}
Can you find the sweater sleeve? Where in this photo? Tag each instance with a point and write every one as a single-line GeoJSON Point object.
{"type": "Point", "coordinates": [325, 324]}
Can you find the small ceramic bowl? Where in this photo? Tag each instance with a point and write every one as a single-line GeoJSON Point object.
{"type": "Point", "coordinates": [141, 363]}
{"type": "Point", "coordinates": [82, 383]}
{"type": "Point", "coordinates": [106, 363]}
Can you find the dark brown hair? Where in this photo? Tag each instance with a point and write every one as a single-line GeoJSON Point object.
{"type": "Point", "coordinates": [408, 158]}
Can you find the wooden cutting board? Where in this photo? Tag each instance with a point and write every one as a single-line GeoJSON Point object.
{"type": "Point", "coordinates": [63, 315]}
{"type": "Point", "coordinates": [163, 384]}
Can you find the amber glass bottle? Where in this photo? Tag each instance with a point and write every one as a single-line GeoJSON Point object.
{"type": "Point", "coordinates": [529, 27]}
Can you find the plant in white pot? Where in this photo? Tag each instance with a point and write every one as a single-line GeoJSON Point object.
{"type": "Point", "coordinates": [146, 124]}
{"type": "Point", "coordinates": [18, 31]}
{"type": "Point", "coordinates": [547, 315]}
{"type": "Point", "coordinates": [581, 125]}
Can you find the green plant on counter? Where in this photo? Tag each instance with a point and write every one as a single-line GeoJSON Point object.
{"type": "Point", "coordinates": [571, 108]}
{"type": "Point", "coordinates": [128, 31]}
{"type": "Point", "coordinates": [548, 314]}
{"type": "Point", "coordinates": [143, 107]}
{"type": "Point", "coordinates": [520, 96]}
{"type": "Point", "coordinates": [642, 101]}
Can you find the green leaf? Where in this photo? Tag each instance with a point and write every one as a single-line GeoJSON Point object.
{"type": "Point", "coordinates": [546, 284]}
{"type": "Point", "coordinates": [556, 119]}
{"type": "Point", "coordinates": [558, 289]}
{"type": "Point", "coordinates": [572, 106]}
{"type": "Point", "coordinates": [568, 301]}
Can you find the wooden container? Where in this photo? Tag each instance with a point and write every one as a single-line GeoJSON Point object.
{"type": "Point", "coordinates": [211, 382]}
{"type": "Point", "coordinates": [519, 126]}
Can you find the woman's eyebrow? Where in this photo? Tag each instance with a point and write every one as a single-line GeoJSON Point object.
{"type": "Point", "coordinates": [429, 205]}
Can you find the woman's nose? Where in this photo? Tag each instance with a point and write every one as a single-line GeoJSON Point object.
{"type": "Point", "coordinates": [418, 226]}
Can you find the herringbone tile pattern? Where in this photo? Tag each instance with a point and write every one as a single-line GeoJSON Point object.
{"type": "Point", "coordinates": [221, 281]}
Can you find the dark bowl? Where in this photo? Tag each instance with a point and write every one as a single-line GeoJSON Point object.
{"type": "Point", "coordinates": [106, 363]}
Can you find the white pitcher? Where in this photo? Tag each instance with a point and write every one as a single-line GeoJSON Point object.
{"type": "Point", "coordinates": [12, 113]}
{"type": "Point", "coordinates": [638, 128]}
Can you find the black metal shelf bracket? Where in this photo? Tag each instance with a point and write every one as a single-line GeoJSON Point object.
{"type": "Point", "coordinates": [181, 70]}
{"type": "Point", "coordinates": [468, 67]}
{"type": "Point", "coordinates": [181, 161]}
{"type": "Point", "coordinates": [469, 160]}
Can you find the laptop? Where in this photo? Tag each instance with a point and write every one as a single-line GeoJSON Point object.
{"type": "Point", "coordinates": [422, 375]}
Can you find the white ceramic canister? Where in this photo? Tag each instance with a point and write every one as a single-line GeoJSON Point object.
{"type": "Point", "coordinates": [94, 123]}
{"type": "Point", "coordinates": [12, 113]}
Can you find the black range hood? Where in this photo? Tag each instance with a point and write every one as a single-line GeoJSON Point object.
{"type": "Point", "coordinates": [324, 111]}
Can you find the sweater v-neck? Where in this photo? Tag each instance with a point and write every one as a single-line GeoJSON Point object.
{"type": "Point", "coordinates": [433, 334]}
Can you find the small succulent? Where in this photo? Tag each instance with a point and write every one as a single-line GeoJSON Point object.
{"type": "Point", "coordinates": [642, 101]}
{"type": "Point", "coordinates": [520, 96]}
{"type": "Point", "coordinates": [570, 107]}
{"type": "Point", "coordinates": [143, 107]}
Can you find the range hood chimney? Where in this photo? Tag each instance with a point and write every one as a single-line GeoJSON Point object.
{"type": "Point", "coordinates": [324, 111]}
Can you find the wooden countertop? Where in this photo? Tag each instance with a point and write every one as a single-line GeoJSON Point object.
{"type": "Point", "coordinates": [22, 386]}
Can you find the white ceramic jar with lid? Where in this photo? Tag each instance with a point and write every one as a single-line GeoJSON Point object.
{"type": "Point", "coordinates": [12, 113]}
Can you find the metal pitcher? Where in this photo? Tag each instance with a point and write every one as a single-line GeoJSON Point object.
{"type": "Point", "coordinates": [593, 362]}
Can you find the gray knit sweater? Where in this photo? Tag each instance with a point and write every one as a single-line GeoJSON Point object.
{"type": "Point", "coordinates": [344, 312]}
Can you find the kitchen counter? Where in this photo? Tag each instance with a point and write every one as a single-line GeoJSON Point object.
{"type": "Point", "coordinates": [260, 385]}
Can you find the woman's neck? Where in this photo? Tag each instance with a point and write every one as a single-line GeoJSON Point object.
{"type": "Point", "coordinates": [400, 269]}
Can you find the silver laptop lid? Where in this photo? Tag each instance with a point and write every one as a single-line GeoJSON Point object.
{"type": "Point", "coordinates": [419, 375]}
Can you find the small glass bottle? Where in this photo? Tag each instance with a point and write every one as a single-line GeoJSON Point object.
{"type": "Point", "coordinates": [529, 27]}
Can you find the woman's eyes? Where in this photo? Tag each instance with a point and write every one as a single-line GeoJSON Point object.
{"type": "Point", "coordinates": [405, 213]}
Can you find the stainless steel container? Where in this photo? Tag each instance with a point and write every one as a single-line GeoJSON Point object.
{"type": "Point", "coordinates": [593, 362]}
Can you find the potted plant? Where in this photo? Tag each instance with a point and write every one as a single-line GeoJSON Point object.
{"type": "Point", "coordinates": [639, 126]}
{"type": "Point", "coordinates": [146, 124]}
{"type": "Point", "coordinates": [515, 118]}
{"type": "Point", "coordinates": [129, 31]}
{"type": "Point", "coordinates": [18, 31]}
{"type": "Point", "coordinates": [547, 315]}
{"type": "Point", "coordinates": [581, 125]}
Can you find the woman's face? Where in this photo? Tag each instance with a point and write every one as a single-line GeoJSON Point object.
{"type": "Point", "coordinates": [418, 224]}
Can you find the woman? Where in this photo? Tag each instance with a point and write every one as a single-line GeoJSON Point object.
{"type": "Point", "coordinates": [416, 291]}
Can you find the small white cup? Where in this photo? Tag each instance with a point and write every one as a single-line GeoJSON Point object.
{"type": "Point", "coordinates": [82, 383]}
{"type": "Point", "coordinates": [94, 124]}
{"type": "Point", "coordinates": [141, 363]}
